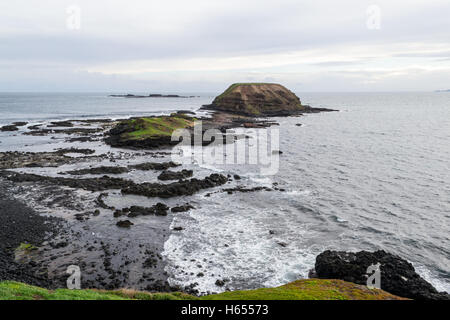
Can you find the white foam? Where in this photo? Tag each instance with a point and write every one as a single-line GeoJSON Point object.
{"type": "Point", "coordinates": [235, 244]}
{"type": "Point", "coordinates": [439, 284]}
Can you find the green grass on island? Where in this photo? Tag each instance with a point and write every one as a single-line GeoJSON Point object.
{"type": "Point", "coordinates": [148, 128]}
{"type": "Point", "coordinates": [309, 289]}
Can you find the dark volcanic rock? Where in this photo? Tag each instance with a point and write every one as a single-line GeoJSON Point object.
{"type": "Point", "coordinates": [124, 224]}
{"type": "Point", "coordinates": [182, 208]}
{"type": "Point", "coordinates": [159, 209]}
{"type": "Point", "coordinates": [98, 170]}
{"type": "Point", "coordinates": [93, 184]}
{"type": "Point", "coordinates": [397, 275]}
{"type": "Point", "coordinates": [21, 224]}
{"type": "Point", "coordinates": [9, 128]}
{"type": "Point", "coordinates": [180, 188]}
{"type": "Point", "coordinates": [60, 124]}
{"type": "Point", "coordinates": [75, 150]}
{"type": "Point", "coordinates": [10, 160]}
{"type": "Point", "coordinates": [171, 175]}
{"type": "Point", "coordinates": [70, 131]}
{"type": "Point", "coordinates": [20, 124]}
{"type": "Point", "coordinates": [154, 166]}
{"type": "Point", "coordinates": [152, 95]}
{"type": "Point", "coordinates": [245, 190]}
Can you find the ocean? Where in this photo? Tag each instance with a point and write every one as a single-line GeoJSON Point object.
{"type": "Point", "coordinates": [374, 175]}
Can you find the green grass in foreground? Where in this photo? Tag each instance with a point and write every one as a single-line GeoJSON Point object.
{"type": "Point", "coordinates": [147, 128]}
{"type": "Point", "coordinates": [310, 289]}
{"type": "Point", "coordinates": [10, 290]}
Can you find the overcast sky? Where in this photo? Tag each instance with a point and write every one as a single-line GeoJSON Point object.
{"type": "Point", "coordinates": [204, 45]}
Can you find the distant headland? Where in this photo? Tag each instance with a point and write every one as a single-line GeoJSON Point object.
{"type": "Point", "coordinates": [153, 95]}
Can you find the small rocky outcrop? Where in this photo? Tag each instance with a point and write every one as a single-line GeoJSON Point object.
{"type": "Point", "coordinates": [9, 128]}
{"type": "Point", "coordinates": [158, 166]}
{"type": "Point", "coordinates": [175, 189]}
{"type": "Point", "coordinates": [97, 170]}
{"type": "Point", "coordinates": [183, 208]}
{"type": "Point", "coordinates": [397, 275]}
{"type": "Point", "coordinates": [159, 209]}
{"type": "Point", "coordinates": [260, 100]}
{"type": "Point", "coordinates": [125, 224]}
{"type": "Point", "coordinates": [175, 175]}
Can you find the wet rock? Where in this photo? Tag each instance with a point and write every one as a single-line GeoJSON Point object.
{"type": "Point", "coordinates": [9, 128]}
{"type": "Point", "coordinates": [60, 124]}
{"type": "Point", "coordinates": [180, 188]}
{"type": "Point", "coordinates": [10, 160]}
{"type": "Point", "coordinates": [119, 213]}
{"type": "Point", "coordinates": [71, 131]}
{"type": "Point", "coordinates": [101, 203]}
{"type": "Point", "coordinates": [93, 184]}
{"type": "Point", "coordinates": [220, 283]}
{"type": "Point", "coordinates": [182, 208]}
{"type": "Point", "coordinates": [82, 216]}
{"type": "Point", "coordinates": [397, 275]}
{"type": "Point", "coordinates": [19, 124]}
{"type": "Point", "coordinates": [245, 190]}
{"type": "Point", "coordinates": [150, 263]}
{"type": "Point", "coordinates": [124, 224]}
{"type": "Point", "coordinates": [158, 166]}
{"type": "Point", "coordinates": [172, 175]}
{"type": "Point", "coordinates": [34, 127]}
{"type": "Point", "coordinates": [75, 150]}
{"type": "Point", "coordinates": [61, 244]}
{"type": "Point", "coordinates": [159, 209]}
{"type": "Point", "coordinates": [185, 187]}
{"type": "Point", "coordinates": [98, 170]}
{"type": "Point", "coordinates": [79, 139]}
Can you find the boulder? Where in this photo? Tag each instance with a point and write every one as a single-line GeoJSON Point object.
{"type": "Point", "coordinates": [397, 275]}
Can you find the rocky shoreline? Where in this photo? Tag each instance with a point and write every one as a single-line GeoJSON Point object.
{"type": "Point", "coordinates": [120, 244]}
{"type": "Point", "coordinates": [20, 224]}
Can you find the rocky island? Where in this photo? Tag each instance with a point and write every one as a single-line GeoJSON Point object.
{"type": "Point", "coordinates": [260, 100]}
{"type": "Point", "coordinates": [241, 105]}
